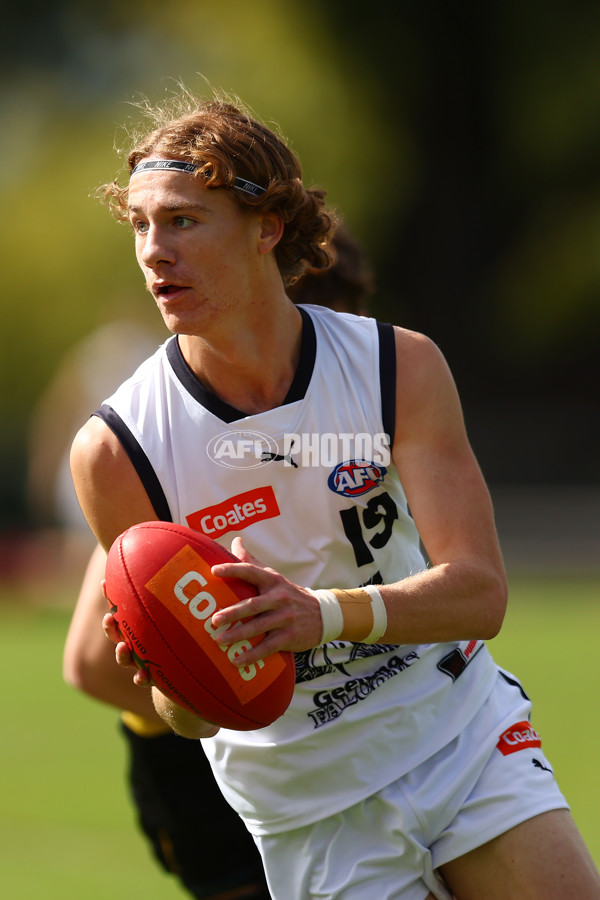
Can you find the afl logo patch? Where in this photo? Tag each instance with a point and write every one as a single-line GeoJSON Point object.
{"type": "Point", "coordinates": [355, 477]}
{"type": "Point", "coordinates": [242, 449]}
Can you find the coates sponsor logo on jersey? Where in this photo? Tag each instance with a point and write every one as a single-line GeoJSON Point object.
{"type": "Point", "coordinates": [518, 737]}
{"type": "Point", "coordinates": [242, 449]}
{"type": "Point", "coordinates": [236, 513]}
{"type": "Point", "coordinates": [355, 477]}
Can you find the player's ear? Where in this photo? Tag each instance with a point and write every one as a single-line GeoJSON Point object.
{"type": "Point", "coordinates": [271, 230]}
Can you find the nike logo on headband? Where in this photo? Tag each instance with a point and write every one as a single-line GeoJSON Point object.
{"type": "Point", "coordinates": [242, 184]}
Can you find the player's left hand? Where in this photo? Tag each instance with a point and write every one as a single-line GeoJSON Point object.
{"type": "Point", "coordinates": [287, 615]}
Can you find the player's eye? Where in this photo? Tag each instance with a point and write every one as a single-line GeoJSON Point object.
{"type": "Point", "coordinates": [139, 226]}
{"type": "Point", "coordinates": [183, 221]}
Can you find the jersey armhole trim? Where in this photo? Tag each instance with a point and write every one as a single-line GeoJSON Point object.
{"type": "Point", "coordinates": [387, 377]}
{"type": "Point", "coordinates": [139, 460]}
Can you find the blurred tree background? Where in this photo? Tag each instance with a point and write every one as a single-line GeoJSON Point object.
{"type": "Point", "coordinates": [461, 142]}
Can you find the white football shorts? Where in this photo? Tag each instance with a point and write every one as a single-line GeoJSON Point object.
{"type": "Point", "coordinates": [490, 778]}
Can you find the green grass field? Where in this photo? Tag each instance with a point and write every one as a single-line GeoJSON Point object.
{"type": "Point", "coordinates": [67, 830]}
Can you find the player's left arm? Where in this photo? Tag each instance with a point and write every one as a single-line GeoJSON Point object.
{"type": "Point", "coordinates": [463, 594]}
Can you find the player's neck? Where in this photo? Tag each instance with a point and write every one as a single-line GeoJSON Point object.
{"type": "Point", "coordinates": [253, 369]}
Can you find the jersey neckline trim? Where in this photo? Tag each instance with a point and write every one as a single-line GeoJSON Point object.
{"type": "Point", "coordinates": [224, 410]}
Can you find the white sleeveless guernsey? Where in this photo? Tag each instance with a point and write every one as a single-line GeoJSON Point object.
{"type": "Point", "coordinates": [310, 489]}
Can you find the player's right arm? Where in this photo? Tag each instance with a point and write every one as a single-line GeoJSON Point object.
{"type": "Point", "coordinates": [109, 490]}
{"type": "Point", "coordinates": [113, 498]}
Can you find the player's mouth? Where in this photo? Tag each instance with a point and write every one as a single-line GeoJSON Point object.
{"type": "Point", "coordinates": [166, 290]}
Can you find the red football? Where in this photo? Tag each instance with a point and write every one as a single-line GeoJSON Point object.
{"type": "Point", "coordinates": [163, 595]}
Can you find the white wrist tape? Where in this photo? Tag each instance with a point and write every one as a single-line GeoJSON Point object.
{"type": "Point", "coordinates": [357, 615]}
{"type": "Point", "coordinates": [332, 616]}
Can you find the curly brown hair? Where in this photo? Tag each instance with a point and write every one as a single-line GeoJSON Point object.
{"type": "Point", "coordinates": [224, 141]}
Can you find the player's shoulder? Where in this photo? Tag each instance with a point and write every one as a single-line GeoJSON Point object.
{"type": "Point", "coordinates": [423, 378]}
{"type": "Point", "coordinates": [416, 349]}
{"type": "Point", "coordinates": [343, 329]}
{"type": "Point", "coordinates": [109, 490]}
{"type": "Point", "coordinates": [95, 448]}
{"type": "Point", "coordinates": [335, 317]}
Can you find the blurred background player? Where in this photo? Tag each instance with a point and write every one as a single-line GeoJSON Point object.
{"type": "Point", "coordinates": [169, 777]}
{"type": "Point", "coordinates": [346, 286]}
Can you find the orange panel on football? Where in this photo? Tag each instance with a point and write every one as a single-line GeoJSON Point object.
{"type": "Point", "coordinates": [188, 589]}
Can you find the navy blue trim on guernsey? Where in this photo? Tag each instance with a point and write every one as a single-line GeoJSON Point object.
{"type": "Point", "coordinates": [228, 414]}
{"type": "Point", "coordinates": [225, 411]}
{"type": "Point", "coordinates": [140, 461]}
{"type": "Point", "coordinates": [513, 682]}
{"type": "Point", "coordinates": [387, 378]}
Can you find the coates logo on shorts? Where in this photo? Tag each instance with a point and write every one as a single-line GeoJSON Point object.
{"type": "Point", "coordinates": [242, 449]}
{"type": "Point", "coordinates": [518, 737]}
{"type": "Point", "coordinates": [355, 477]}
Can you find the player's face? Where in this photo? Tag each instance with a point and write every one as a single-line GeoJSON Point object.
{"type": "Point", "coordinates": [196, 248]}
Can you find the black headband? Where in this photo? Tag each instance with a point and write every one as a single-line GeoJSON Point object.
{"type": "Point", "coordinates": [242, 184]}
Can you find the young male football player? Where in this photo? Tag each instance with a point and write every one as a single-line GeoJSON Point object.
{"type": "Point", "coordinates": [406, 766]}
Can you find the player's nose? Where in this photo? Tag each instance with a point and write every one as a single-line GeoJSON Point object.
{"type": "Point", "coordinates": [156, 248]}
